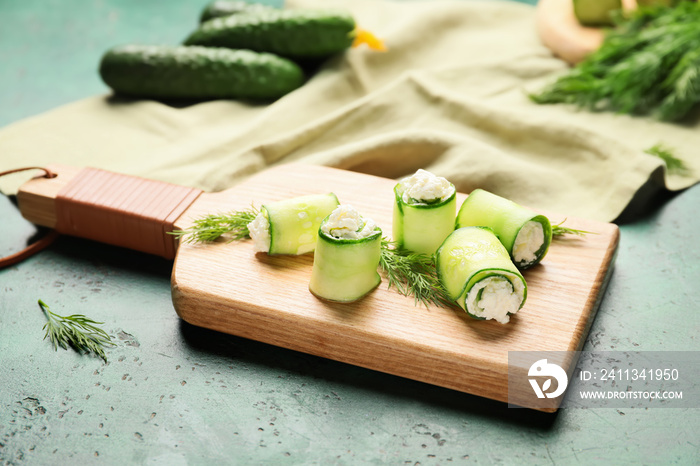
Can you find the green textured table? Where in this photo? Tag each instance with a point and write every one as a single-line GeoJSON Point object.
{"type": "Point", "coordinates": [177, 394]}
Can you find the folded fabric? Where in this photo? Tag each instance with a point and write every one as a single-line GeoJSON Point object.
{"type": "Point", "coordinates": [449, 95]}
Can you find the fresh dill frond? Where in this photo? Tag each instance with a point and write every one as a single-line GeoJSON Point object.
{"type": "Point", "coordinates": [674, 165]}
{"type": "Point", "coordinates": [76, 331]}
{"type": "Point", "coordinates": [211, 227]}
{"type": "Point", "coordinates": [412, 274]}
{"type": "Point", "coordinates": [560, 230]}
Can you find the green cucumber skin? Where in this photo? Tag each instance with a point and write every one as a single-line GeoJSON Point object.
{"type": "Point", "coordinates": [302, 33]}
{"type": "Point", "coordinates": [179, 72]}
{"type": "Point", "coordinates": [220, 8]}
{"type": "Point", "coordinates": [596, 12]}
{"type": "Point", "coordinates": [469, 255]}
{"type": "Point", "coordinates": [291, 234]}
{"type": "Point", "coordinates": [345, 270]}
{"type": "Point", "coordinates": [422, 228]}
{"type": "Point", "coordinates": [504, 217]}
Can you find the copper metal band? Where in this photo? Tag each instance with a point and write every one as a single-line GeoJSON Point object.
{"type": "Point", "coordinates": [122, 210]}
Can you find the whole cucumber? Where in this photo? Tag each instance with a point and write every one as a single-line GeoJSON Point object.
{"type": "Point", "coordinates": [298, 34]}
{"type": "Point", "coordinates": [219, 8]}
{"type": "Point", "coordinates": [179, 72]}
{"type": "Point", "coordinates": [596, 12]}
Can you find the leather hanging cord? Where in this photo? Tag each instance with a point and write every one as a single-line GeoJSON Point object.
{"type": "Point", "coordinates": [37, 246]}
{"type": "Point", "coordinates": [121, 210]}
{"type": "Point", "coordinates": [30, 250]}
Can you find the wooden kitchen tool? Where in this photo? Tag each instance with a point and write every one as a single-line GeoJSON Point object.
{"type": "Point", "coordinates": [560, 31]}
{"type": "Point", "coordinates": [226, 287]}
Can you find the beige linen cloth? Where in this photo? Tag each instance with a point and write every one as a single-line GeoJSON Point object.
{"type": "Point", "coordinates": [449, 96]}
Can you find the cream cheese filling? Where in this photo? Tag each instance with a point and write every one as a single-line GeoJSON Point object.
{"type": "Point", "coordinates": [498, 299]}
{"type": "Point", "coordinates": [259, 230]}
{"type": "Point", "coordinates": [346, 223]}
{"type": "Point", "coordinates": [424, 187]}
{"type": "Point", "coordinates": [529, 240]}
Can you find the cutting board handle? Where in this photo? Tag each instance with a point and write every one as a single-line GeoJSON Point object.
{"type": "Point", "coordinates": [112, 208]}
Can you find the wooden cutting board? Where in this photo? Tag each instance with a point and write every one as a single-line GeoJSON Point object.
{"type": "Point", "coordinates": [560, 31]}
{"type": "Point", "coordinates": [225, 286]}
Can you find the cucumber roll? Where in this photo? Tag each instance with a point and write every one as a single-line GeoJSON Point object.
{"type": "Point", "coordinates": [347, 256]}
{"type": "Point", "coordinates": [477, 273]}
{"type": "Point", "coordinates": [525, 234]}
{"type": "Point", "coordinates": [291, 226]}
{"type": "Point", "coordinates": [424, 212]}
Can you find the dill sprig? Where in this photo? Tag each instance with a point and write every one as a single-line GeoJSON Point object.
{"type": "Point", "coordinates": [76, 331]}
{"type": "Point", "coordinates": [560, 230]}
{"type": "Point", "coordinates": [674, 165]}
{"type": "Point", "coordinates": [211, 227]}
{"type": "Point", "coordinates": [412, 274]}
{"type": "Point", "coordinates": [649, 64]}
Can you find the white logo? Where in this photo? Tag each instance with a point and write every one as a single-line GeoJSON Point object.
{"type": "Point", "coordinates": [544, 369]}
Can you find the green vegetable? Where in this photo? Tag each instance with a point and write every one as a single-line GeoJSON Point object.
{"type": "Point", "coordinates": [294, 223]}
{"type": "Point", "coordinates": [476, 271]}
{"type": "Point", "coordinates": [560, 230]}
{"type": "Point", "coordinates": [596, 12]}
{"type": "Point", "coordinates": [525, 234]}
{"type": "Point", "coordinates": [345, 270]}
{"type": "Point", "coordinates": [674, 165]}
{"type": "Point", "coordinates": [285, 227]}
{"type": "Point", "coordinates": [300, 33]}
{"type": "Point", "coordinates": [413, 274]}
{"type": "Point", "coordinates": [219, 8]}
{"type": "Point", "coordinates": [76, 331]}
{"type": "Point", "coordinates": [422, 225]}
{"type": "Point", "coordinates": [212, 227]}
{"type": "Point", "coordinates": [163, 72]}
{"type": "Point", "coordinates": [648, 65]}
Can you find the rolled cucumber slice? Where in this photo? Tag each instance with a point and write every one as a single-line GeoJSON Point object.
{"type": "Point", "coordinates": [293, 223]}
{"type": "Point", "coordinates": [345, 270]}
{"type": "Point", "coordinates": [421, 225]}
{"type": "Point", "coordinates": [525, 234]}
{"type": "Point", "coordinates": [477, 273]}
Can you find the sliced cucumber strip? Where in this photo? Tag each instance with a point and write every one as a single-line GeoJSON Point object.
{"type": "Point", "coordinates": [476, 271]}
{"type": "Point", "coordinates": [345, 269]}
{"type": "Point", "coordinates": [424, 212]}
{"type": "Point", "coordinates": [525, 234]}
{"type": "Point", "coordinates": [292, 224]}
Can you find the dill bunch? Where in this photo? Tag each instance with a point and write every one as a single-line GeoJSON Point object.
{"type": "Point", "coordinates": [76, 331]}
{"type": "Point", "coordinates": [649, 64]}
{"type": "Point", "coordinates": [412, 274]}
